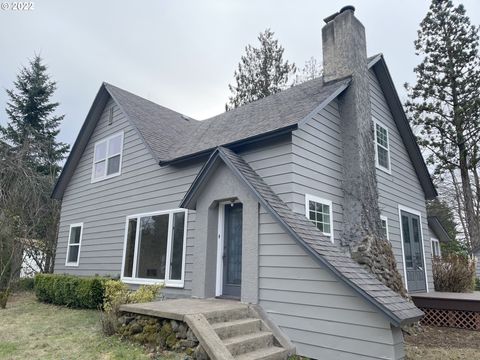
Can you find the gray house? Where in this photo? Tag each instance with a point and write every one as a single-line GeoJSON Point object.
{"type": "Point", "coordinates": [476, 253]}
{"type": "Point", "coordinates": [254, 204]}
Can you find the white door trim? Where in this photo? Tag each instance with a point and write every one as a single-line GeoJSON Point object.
{"type": "Point", "coordinates": [419, 214]}
{"type": "Point", "coordinates": [220, 235]}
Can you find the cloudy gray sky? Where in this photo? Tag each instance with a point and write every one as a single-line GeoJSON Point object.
{"type": "Point", "coordinates": [182, 54]}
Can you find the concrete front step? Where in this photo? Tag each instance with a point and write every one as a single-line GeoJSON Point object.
{"type": "Point", "coordinates": [270, 353]}
{"type": "Point", "coordinates": [250, 342]}
{"type": "Point", "coordinates": [239, 327]}
{"type": "Point", "coordinates": [227, 315]}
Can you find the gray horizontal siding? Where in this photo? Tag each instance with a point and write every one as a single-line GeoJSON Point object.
{"type": "Point", "coordinates": [318, 162]}
{"type": "Point", "coordinates": [323, 318]}
{"type": "Point", "coordinates": [477, 255]}
{"type": "Point", "coordinates": [273, 161]}
{"type": "Point", "coordinates": [142, 187]}
{"type": "Point", "coordinates": [402, 186]}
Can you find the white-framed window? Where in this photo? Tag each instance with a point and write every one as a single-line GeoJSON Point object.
{"type": "Point", "coordinates": [436, 247]}
{"type": "Point", "coordinates": [384, 222]}
{"type": "Point", "coordinates": [154, 248]}
{"type": "Point", "coordinates": [107, 157]}
{"type": "Point", "coordinates": [74, 243]}
{"type": "Point", "coordinates": [320, 212]}
{"type": "Point", "coordinates": [382, 146]}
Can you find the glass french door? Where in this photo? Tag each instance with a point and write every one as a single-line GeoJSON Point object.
{"type": "Point", "coordinates": [413, 252]}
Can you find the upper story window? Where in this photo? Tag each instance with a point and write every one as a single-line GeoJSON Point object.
{"type": "Point", "coordinates": [107, 158]}
{"type": "Point", "coordinates": [74, 243]}
{"type": "Point", "coordinates": [436, 248]}
{"type": "Point", "coordinates": [320, 212]}
{"type": "Point", "coordinates": [384, 221]}
{"type": "Point", "coordinates": [382, 147]}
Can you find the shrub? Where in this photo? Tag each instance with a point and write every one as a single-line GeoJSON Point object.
{"type": "Point", "coordinates": [454, 273]}
{"type": "Point", "coordinates": [24, 284]}
{"type": "Point", "coordinates": [477, 284]}
{"type": "Point", "coordinates": [69, 290]}
{"type": "Point", "coordinates": [118, 293]}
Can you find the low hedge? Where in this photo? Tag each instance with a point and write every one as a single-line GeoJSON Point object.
{"type": "Point", "coordinates": [71, 291]}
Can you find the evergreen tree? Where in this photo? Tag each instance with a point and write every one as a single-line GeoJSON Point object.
{"type": "Point", "coordinates": [32, 123]}
{"type": "Point", "coordinates": [261, 72]}
{"type": "Point", "coordinates": [445, 101]}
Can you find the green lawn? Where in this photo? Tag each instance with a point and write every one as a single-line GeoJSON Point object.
{"type": "Point", "coordinates": [32, 330]}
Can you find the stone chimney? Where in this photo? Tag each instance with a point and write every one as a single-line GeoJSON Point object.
{"type": "Point", "coordinates": [345, 54]}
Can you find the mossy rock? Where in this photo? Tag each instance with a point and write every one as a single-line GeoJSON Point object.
{"type": "Point", "coordinates": [166, 330]}
{"type": "Point", "coordinates": [171, 341]}
{"type": "Point", "coordinates": [150, 333]}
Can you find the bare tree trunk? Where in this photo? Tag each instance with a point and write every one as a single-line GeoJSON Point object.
{"type": "Point", "coordinates": [470, 215]}
{"type": "Point", "coordinates": [458, 196]}
{"type": "Point", "coordinates": [476, 178]}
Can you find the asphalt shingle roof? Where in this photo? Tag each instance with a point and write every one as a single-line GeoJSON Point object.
{"type": "Point", "coordinates": [398, 309]}
{"type": "Point", "coordinates": [166, 131]}
{"type": "Point", "coordinates": [159, 126]}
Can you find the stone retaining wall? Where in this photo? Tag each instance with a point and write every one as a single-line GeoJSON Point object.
{"type": "Point", "coordinates": [161, 334]}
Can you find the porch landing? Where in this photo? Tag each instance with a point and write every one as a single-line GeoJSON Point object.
{"type": "Point", "coordinates": [226, 329]}
{"type": "Point", "coordinates": [177, 309]}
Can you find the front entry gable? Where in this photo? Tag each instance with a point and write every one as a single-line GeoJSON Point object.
{"type": "Point", "coordinates": [398, 310]}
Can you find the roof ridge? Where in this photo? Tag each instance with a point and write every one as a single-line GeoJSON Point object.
{"type": "Point", "coordinates": [304, 84]}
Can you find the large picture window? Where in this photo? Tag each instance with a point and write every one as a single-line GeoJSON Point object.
{"type": "Point", "coordinates": [107, 158]}
{"type": "Point", "coordinates": [155, 248]}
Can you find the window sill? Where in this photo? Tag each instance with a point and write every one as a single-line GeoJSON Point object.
{"type": "Point", "coordinates": [93, 181]}
{"type": "Point", "coordinates": [170, 284]}
{"type": "Point", "coordinates": [71, 264]}
{"type": "Point", "coordinates": [385, 170]}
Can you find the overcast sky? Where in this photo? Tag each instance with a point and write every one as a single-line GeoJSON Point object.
{"type": "Point", "coordinates": [182, 54]}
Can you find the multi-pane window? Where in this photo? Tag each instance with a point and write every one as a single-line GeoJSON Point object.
{"type": "Point", "coordinates": [436, 248]}
{"type": "Point", "coordinates": [382, 147]}
{"type": "Point", "coordinates": [384, 222]}
{"type": "Point", "coordinates": [319, 211]}
{"type": "Point", "coordinates": [107, 157]}
{"type": "Point", "coordinates": [154, 248]}
{"type": "Point", "coordinates": [74, 243]}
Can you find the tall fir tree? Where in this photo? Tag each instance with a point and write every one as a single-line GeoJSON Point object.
{"type": "Point", "coordinates": [445, 101]}
{"type": "Point", "coordinates": [33, 125]}
{"type": "Point", "coordinates": [262, 71]}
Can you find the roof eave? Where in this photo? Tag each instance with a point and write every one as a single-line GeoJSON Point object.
{"type": "Point", "coordinates": [437, 227]}
{"type": "Point", "coordinates": [231, 145]}
{"type": "Point", "coordinates": [379, 66]}
{"type": "Point", "coordinates": [80, 142]}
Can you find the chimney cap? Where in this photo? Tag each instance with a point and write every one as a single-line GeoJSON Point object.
{"type": "Point", "coordinates": [343, 9]}
{"type": "Point", "coordinates": [347, 7]}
